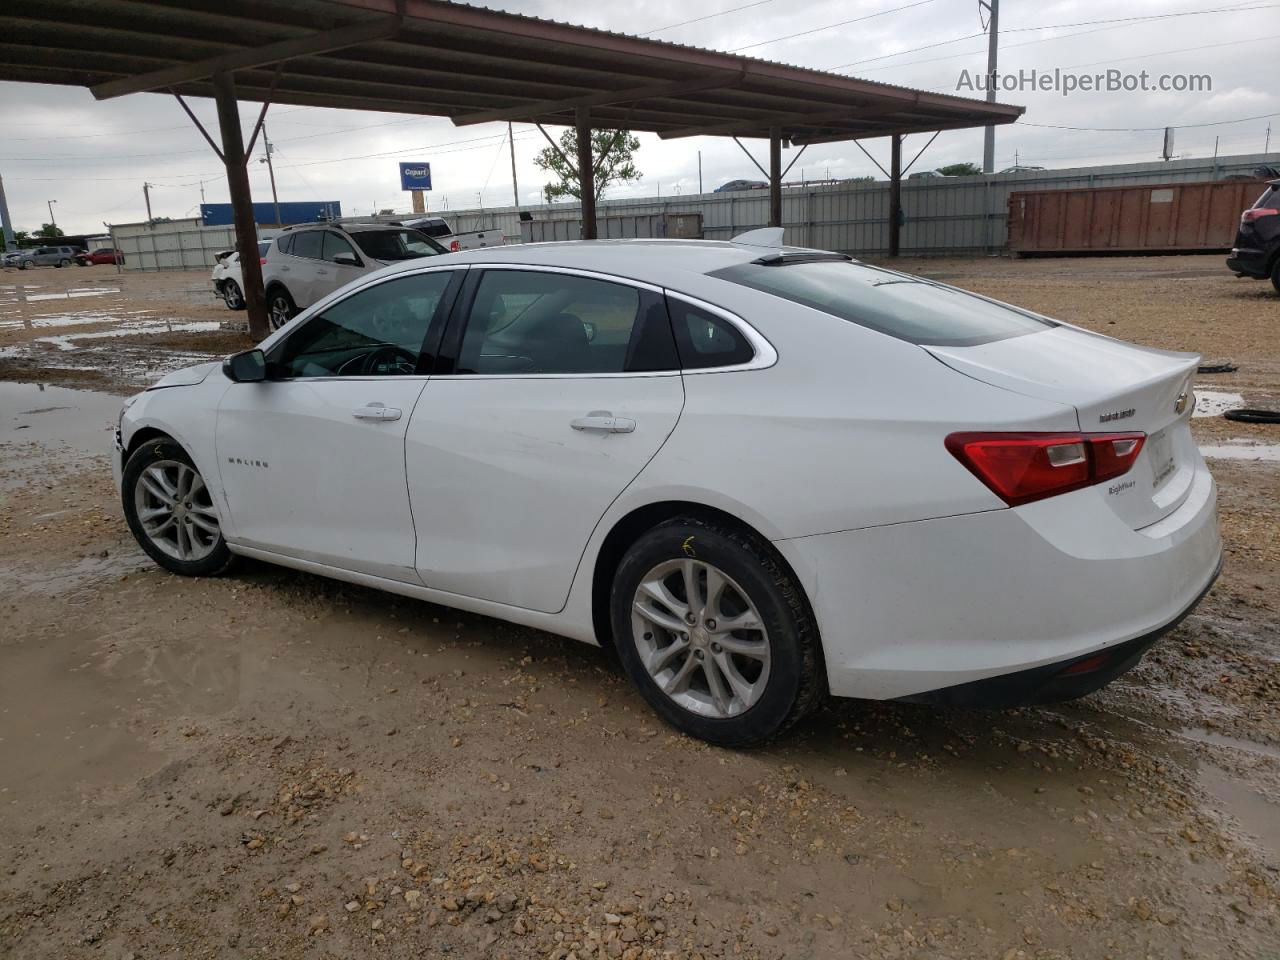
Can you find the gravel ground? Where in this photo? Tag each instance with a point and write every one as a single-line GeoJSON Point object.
{"type": "Point", "coordinates": [274, 765]}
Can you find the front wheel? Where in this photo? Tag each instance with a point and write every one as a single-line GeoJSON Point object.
{"type": "Point", "coordinates": [716, 632]}
{"type": "Point", "coordinates": [28, 264]}
{"type": "Point", "coordinates": [170, 511]}
{"type": "Point", "coordinates": [280, 307]}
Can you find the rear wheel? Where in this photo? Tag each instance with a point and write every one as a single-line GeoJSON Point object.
{"type": "Point", "coordinates": [1275, 274]}
{"type": "Point", "coordinates": [170, 511]}
{"type": "Point", "coordinates": [716, 633]}
{"type": "Point", "coordinates": [232, 296]}
{"type": "Point", "coordinates": [64, 262]}
{"type": "Point", "coordinates": [280, 307]}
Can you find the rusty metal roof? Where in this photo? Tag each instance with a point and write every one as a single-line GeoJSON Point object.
{"type": "Point", "coordinates": [467, 63]}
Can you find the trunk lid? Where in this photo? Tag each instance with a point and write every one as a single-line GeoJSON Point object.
{"type": "Point", "coordinates": [1115, 387]}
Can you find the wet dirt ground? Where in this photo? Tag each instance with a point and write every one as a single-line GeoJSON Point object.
{"type": "Point", "coordinates": [273, 765]}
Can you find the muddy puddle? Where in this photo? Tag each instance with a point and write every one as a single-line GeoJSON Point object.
{"type": "Point", "coordinates": [13, 316]}
{"type": "Point", "coordinates": [1214, 403]}
{"type": "Point", "coordinates": [1242, 450]}
{"type": "Point", "coordinates": [81, 420]}
{"type": "Point", "coordinates": [128, 328]}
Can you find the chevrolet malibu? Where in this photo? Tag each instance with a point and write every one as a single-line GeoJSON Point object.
{"type": "Point", "coordinates": [761, 474]}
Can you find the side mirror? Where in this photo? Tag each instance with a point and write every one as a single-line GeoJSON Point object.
{"type": "Point", "coordinates": [247, 367]}
{"type": "Point", "coordinates": [347, 260]}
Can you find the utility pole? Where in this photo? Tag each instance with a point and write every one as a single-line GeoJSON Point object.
{"type": "Point", "coordinates": [146, 193]}
{"type": "Point", "coordinates": [52, 222]}
{"type": "Point", "coordinates": [699, 171]}
{"type": "Point", "coordinates": [993, 35]}
{"type": "Point", "coordinates": [4, 216]}
{"type": "Point", "coordinates": [515, 187]}
{"type": "Point", "coordinates": [1266, 148]}
{"type": "Point", "coordinates": [202, 193]}
{"type": "Point", "coordinates": [271, 172]}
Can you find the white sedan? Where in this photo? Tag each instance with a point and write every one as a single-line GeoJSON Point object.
{"type": "Point", "coordinates": [760, 473]}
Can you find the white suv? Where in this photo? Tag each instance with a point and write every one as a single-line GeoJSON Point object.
{"type": "Point", "coordinates": [308, 263]}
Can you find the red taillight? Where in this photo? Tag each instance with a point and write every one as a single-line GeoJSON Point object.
{"type": "Point", "coordinates": [1022, 467]}
{"type": "Point", "coordinates": [1257, 213]}
{"type": "Point", "coordinates": [262, 259]}
{"type": "Point", "coordinates": [454, 247]}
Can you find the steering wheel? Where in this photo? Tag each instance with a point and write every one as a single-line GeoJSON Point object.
{"type": "Point", "coordinates": [396, 361]}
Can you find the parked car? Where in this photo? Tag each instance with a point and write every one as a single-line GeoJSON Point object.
{"type": "Point", "coordinates": [306, 264]}
{"type": "Point", "coordinates": [228, 281]}
{"type": "Point", "coordinates": [100, 255]}
{"type": "Point", "coordinates": [41, 257]}
{"type": "Point", "coordinates": [1022, 168]}
{"type": "Point", "coordinates": [927, 175]}
{"type": "Point", "coordinates": [734, 185]}
{"type": "Point", "coordinates": [759, 473]}
{"type": "Point", "coordinates": [441, 231]}
{"type": "Point", "coordinates": [1257, 250]}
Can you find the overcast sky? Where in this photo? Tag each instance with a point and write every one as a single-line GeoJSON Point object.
{"type": "Point", "coordinates": [92, 158]}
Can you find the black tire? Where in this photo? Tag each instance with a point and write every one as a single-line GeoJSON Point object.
{"type": "Point", "coordinates": [1245, 415]}
{"type": "Point", "coordinates": [217, 561]}
{"type": "Point", "coordinates": [63, 263]}
{"type": "Point", "coordinates": [1275, 274]}
{"type": "Point", "coordinates": [280, 307]}
{"type": "Point", "coordinates": [232, 296]}
{"type": "Point", "coordinates": [796, 683]}
{"type": "Point", "coordinates": [27, 264]}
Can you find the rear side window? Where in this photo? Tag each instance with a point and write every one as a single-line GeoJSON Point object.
{"type": "Point", "coordinates": [706, 340]}
{"type": "Point", "coordinates": [909, 308]}
{"type": "Point", "coordinates": [307, 244]}
{"type": "Point", "coordinates": [529, 322]}
{"type": "Point", "coordinates": [1270, 200]}
{"type": "Point", "coordinates": [285, 243]}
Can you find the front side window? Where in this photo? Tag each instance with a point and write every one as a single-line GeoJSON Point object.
{"type": "Point", "coordinates": [399, 244]}
{"type": "Point", "coordinates": [307, 244]}
{"type": "Point", "coordinates": [334, 246]}
{"type": "Point", "coordinates": [377, 331]}
{"type": "Point", "coordinates": [529, 322]}
{"type": "Point", "coordinates": [909, 308]}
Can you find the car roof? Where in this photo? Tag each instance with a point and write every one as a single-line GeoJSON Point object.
{"type": "Point", "coordinates": [649, 260]}
{"type": "Point", "coordinates": [349, 227]}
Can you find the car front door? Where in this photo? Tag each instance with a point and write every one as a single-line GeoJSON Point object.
{"type": "Point", "coordinates": [312, 459]}
{"type": "Point", "coordinates": [341, 264]}
{"type": "Point", "coordinates": [554, 389]}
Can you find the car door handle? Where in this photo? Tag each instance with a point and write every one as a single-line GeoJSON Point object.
{"type": "Point", "coordinates": [376, 411]}
{"type": "Point", "coordinates": [601, 421]}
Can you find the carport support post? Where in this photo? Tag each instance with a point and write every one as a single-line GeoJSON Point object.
{"type": "Point", "coordinates": [224, 92]}
{"type": "Point", "coordinates": [586, 172]}
{"type": "Point", "coordinates": [775, 177]}
{"type": "Point", "coordinates": [895, 195]}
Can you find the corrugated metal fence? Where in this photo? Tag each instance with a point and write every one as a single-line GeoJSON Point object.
{"type": "Point", "coordinates": [955, 215]}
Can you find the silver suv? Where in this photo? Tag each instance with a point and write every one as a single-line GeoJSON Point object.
{"type": "Point", "coordinates": [306, 264]}
{"type": "Point", "coordinates": [41, 257]}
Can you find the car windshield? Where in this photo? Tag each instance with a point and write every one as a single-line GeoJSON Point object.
{"type": "Point", "coordinates": [907, 307]}
{"type": "Point", "coordinates": [396, 244]}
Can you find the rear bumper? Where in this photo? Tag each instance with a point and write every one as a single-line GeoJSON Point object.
{"type": "Point", "coordinates": [909, 610]}
{"type": "Point", "coordinates": [1055, 682]}
{"type": "Point", "coordinates": [1248, 261]}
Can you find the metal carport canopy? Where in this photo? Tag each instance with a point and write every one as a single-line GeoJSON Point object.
{"type": "Point", "coordinates": [469, 64]}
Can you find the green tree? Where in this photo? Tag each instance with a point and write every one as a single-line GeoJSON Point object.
{"type": "Point", "coordinates": [613, 156]}
{"type": "Point", "coordinates": [49, 230]}
{"type": "Point", "coordinates": [960, 169]}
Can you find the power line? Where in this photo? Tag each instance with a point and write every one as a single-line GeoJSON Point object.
{"type": "Point", "coordinates": [1062, 26]}
{"type": "Point", "coordinates": [832, 26]}
{"type": "Point", "coordinates": [1176, 126]}
{"type": "Point", "coordinates": [709, 16]}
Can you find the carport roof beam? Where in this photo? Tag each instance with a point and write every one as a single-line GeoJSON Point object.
{"type": "Point", "coordinates": [457, 61]}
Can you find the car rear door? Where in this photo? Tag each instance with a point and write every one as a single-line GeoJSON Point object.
{"type": "Point", "coordinates": [312, 459]}
{"type": "Point", "coordinates": [554, 390]}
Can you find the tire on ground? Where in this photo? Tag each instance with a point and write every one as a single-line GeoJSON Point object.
{"type": "Point", "coordinates": [153, 451]}
{"type": "Point", "coordinates": [796, 684]}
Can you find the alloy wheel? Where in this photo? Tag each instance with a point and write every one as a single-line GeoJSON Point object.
{"type": "Point", "coordinates": [231, 294]}
{"type": "Point", "coordinates": [280, 312]}
{"type": "Point", "coordinates": [701, 638]}
{"type": "Point", "coordinates": [175, 510]}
